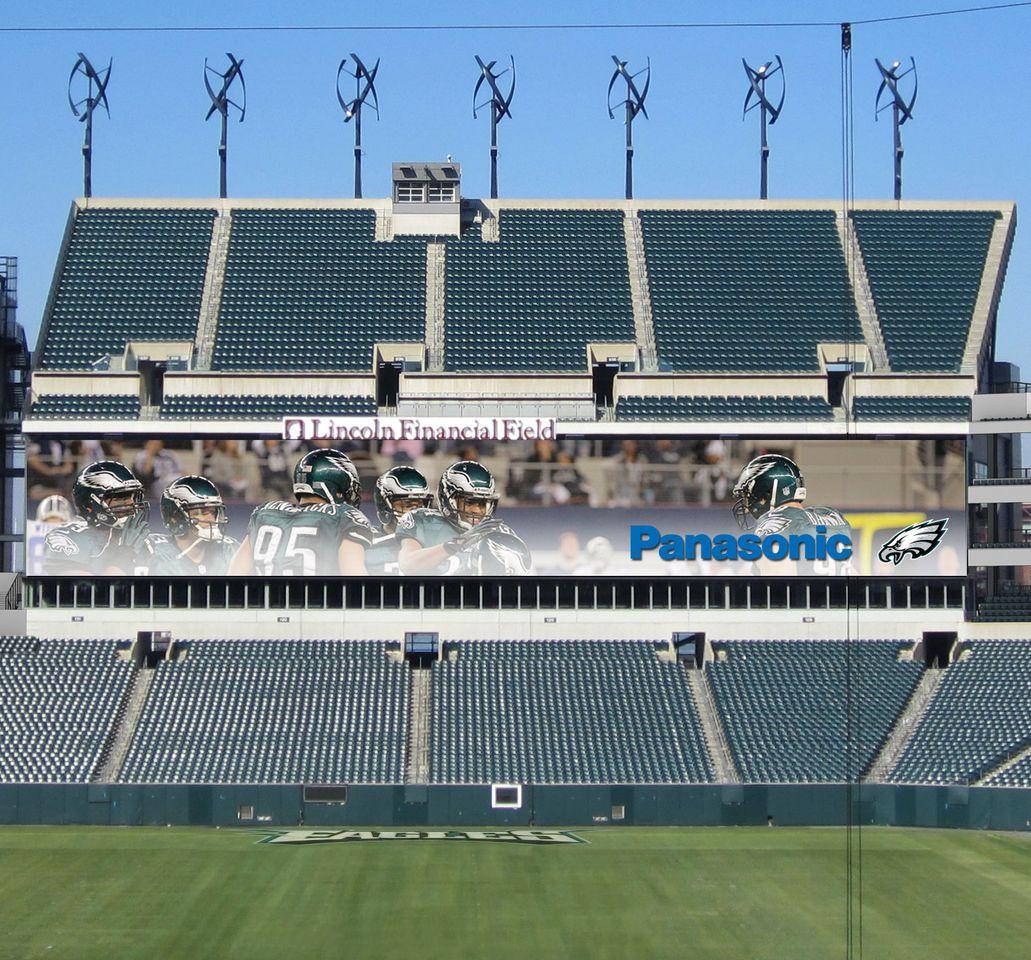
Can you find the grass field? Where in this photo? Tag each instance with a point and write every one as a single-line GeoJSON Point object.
{"type": "Point", "coordinates": [732, 892]}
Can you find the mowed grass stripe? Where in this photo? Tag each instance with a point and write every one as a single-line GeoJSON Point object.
{"type": "Point", "coordinates": [83, 893]}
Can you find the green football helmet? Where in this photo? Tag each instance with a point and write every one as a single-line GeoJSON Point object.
{"type": "Point", "coordinates": [462, 485]}
{"type": "Point", "coordinates": [192, 506]}
{"type": "Point", "coordinates": [107, 494]}
{"type": "Point", "coordinates": [328, 474]}
{"type": "Point", "coordinates": [396, 485]}
{"type": "Point", "coordinates": [767, 482]}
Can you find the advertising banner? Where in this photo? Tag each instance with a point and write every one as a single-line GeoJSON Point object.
{"type": "Point", "coordinates": [511, 499]}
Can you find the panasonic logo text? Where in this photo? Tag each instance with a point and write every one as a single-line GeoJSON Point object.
{"type": "Point", "coordinates": [645, 538]}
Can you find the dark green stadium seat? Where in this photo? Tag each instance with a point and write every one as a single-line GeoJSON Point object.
{"type": "Point", "coordinates": [264, 407]}
{"type": "Point", "coordinates": [312, 290]}
{"type": "Point", "coordinates": [911, 408]}
{"type": "Point", "coordinates": [127, 275]}
{"type": "Point", "coordinates": [564, 712]}
{"type": "Point", "coordinates": [532, 300]}
{"type": "Point", "coordinates": [723, 408]}
{"type": "Point", "coordinates": [925, 269]}
{"type": "Point", "coordinates": [783, 705]}
{"type": "Point", "coordinates": [746, 290]}
{"type": "Point", "coordinates": [980, 715]}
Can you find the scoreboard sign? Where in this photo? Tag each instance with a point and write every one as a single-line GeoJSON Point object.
{"type": "Point", "coordinates": [495, 497]}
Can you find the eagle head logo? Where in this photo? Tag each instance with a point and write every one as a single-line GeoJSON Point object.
{"type": "Point", "coordinates": [916, 540]}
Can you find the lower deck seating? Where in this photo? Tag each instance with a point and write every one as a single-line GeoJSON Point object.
{"type": "Point", "coordinates": [980, 715]}
{"type": "Point", "coordinates": [911, 408]}
{"type": "Point", "coordinates": [783, 705]}
{"type": "Point", "coordinates": [271, 407]}
{"type": "Point", "coordinates": [59, 700]}
{"type": "Point", "coordinates": [53, 406]}
{"type": "Point", "coordinates": [1019, 775]}
{"type": "Point", "coordinates": [723, 408]}
{"type": "Point", "coordinates": [564, 712]}
{"type": "Point", "coordinates": [273, 712]}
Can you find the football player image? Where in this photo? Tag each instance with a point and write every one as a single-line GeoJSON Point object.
{"type": "Point", "coordinates": [51, 512]}
{"type": "Point", "coordinates": [324, 533]}
{"type": "Point", "coordinates": [196, 521]}
{"type": "Point", "coordinates": [109, 536]}
{"type": "Point", "coordinates": [462, 536]}
{"type": "Point", "coordinates": [397, 492]}
{"type": "Point", "coordinates": [769, 497]}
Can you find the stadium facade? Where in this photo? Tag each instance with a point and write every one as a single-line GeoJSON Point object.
{"type": "Point", "coordinates": [661, 348]}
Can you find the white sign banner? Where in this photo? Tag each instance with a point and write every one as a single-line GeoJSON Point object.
{"type": "Point", "coordinates": [351, 836]}
{"type": "Point", "coordinates": [418, 428]}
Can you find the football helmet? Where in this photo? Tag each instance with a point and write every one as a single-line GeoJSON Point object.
{"type": "Point", "coordinates": [106, 494]}
{"type": "Point", "coordinates": [193, 507]}
{"type": "Point", "coordinates": [767, 482]}
{"type": "Point", "coordinates": [504, 554]}
{"type": "Point", "coordinates": [400, 484]}
{"type": "Point", "coordinates": [54, 508]}
{"type": "Point", "coordinates": [328, 474]}
{"type": "Point", "coordinates": [467, 494]}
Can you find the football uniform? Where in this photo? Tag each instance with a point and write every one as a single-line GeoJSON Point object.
{"type": "Point", "coordinates": [429, 528]}
{"type": "Point", "coordinates": [76, 546]}
{"type": "Point", "coordinates": [789, 520]}
{"type": "Point", "coordinates": [167, 559]}
{"type": "Point", "coordinates": [381, 557]}
{"type": "Point", "coordinates": [303, 539]}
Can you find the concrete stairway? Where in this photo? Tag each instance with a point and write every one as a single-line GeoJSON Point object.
{"type": "Point", "coordinates": [436, 265]}
{"type": "Point", "coordinates": [118, 747]}
{"type": "Point", "coordinates": [640, 292]}
{"type": "Point", "coordinates": [905, 726]}
{"type": "Point", "coordinates": [417, 760]}
{"type": "Point", "coordinates": [1012, 761]}
{"type": "Point", "coordinates": [712, 728]}
{"type": "Point", "coordinates": [211, 298]}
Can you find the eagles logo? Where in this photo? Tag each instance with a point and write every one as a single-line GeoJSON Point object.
{"type": "Point", "coordinates": [917, 540]}
{"type": "Point", "coordinates": [62, 543]}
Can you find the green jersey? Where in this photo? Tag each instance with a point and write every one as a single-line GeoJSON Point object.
{"type": "Point", "coordinates": [303, 539]}
{"type": "Point", "coordinates": [789, 520]}
{"type": "Point", "coordinates": [429, 528]}
{"type": "Point", "coordinates": [168, 560]}
{"type": "Point", "coordinates": [76, 547]}
{"type": "Point", "coordinates": [381, 557]}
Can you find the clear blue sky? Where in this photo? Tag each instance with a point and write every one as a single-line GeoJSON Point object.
{"type": "Point", "coordinates": [969, 139]}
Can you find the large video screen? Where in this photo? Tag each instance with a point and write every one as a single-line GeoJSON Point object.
{"type": "Point", "coordinates": [580, 507]}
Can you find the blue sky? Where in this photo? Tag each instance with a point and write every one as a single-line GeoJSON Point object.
{"type": "Point", "coordinates": [969, 138]}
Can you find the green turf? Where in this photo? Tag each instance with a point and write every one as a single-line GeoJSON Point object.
{"type": "Point", "coordinates": [109, 892]}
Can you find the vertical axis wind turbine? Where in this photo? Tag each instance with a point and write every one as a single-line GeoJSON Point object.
{"type": "Point", "coordinates": [499, 109]}
{"type": "Point", "coordinates": [768, 113]}
{"type": "Point", "coordinates": [82, 109]}
{"type": "Point", "coordinates": [220, 104]}
{"type": "Point", "coordinates": [901, 108]}
{"type": "Point", "coordinates": [633, 104]}
{"type": "Point", "coordinates": [364, 89]}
